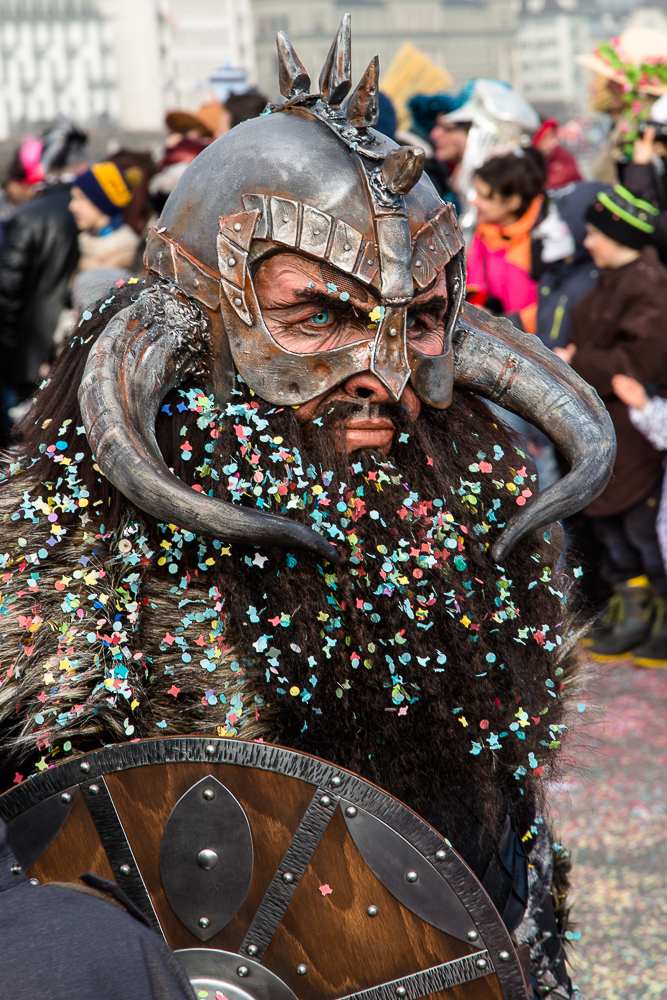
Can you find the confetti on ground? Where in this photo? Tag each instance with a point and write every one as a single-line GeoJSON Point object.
{"type": "Point", "coordinates": [611, 814]}
{"type": "Point", "coordinates": [326, 889]}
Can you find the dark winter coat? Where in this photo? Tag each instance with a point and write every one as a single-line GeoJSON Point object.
{"type": "Point", "coordinates": [620, 327]}
{"type": "Point", "coordinates": [644, 180]}
{"type": "Point", "coordinates": [37, 260]}
{"type": "Point", "coordinates": [59, 943]}
{"type": "Point", "coordinates": [562, 283]}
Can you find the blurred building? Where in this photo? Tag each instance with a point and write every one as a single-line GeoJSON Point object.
{"type": "Point", "coordinates": [465, 37]}
{"type": "Point", "coordinates": [55, 56]}
{"type": "Point", "coordinates": [550, 33]}
{"type": "Point", "coordinates": [115, 62]}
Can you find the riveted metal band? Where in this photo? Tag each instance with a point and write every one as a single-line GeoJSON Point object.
{"type": "Point", "coordinates": [169, 260]}
{"type": "Point", "coordinates": [293, 865]}
{"type": "Point", "coordinates": [295, 224]}
{"type": "Point", "coordinates": [430, 981]}
{"type": "Point", "coordinates": [434, 245]}
{"type": "Point", "coordinates": [117, 848]}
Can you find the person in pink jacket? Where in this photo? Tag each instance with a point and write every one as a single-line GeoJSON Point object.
{"type": "Point", "coordinates": [509, 200]}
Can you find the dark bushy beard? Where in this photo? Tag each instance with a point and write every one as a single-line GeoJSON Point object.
{"type": "Point", "coordinates": [445, 688]}
{"type": "Point", "coordinates": [415, 662]}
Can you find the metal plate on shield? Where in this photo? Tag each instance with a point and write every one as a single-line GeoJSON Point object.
{"type": "Point", "coordinates": [206, 858]}
{"type": "Point", "coordinates": [406, 874]}
{"type": "Point", "coordinates": [215, 972]}
{"type": "Point", "coordinates": [33, 831]}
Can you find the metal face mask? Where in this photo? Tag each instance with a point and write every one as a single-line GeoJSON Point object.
{"type": "Point", "coordinates": [282, 376]}
{"type": "Point", "coordinates": [349, 197]}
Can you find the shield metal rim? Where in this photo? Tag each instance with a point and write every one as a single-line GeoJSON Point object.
{"type": "Point", "coordinates": [87, 773]}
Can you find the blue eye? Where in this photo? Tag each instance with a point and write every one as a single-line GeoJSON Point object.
{"type": "Point", "coordinates": [321, 318]}
{"type": "Point", "coordinates": [410, 322]}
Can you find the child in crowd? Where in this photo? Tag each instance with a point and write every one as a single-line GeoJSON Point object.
{"type": "Point", "coordinates": [566, 269]}
{"type": "Point", "coordinates": [100, 196]}
{"type": "Point", "coordinates": [649, 415]}
{"type": "Point", "coordinates": [508, 199]}
{"type": "Point", "coordinates": [620, 326]}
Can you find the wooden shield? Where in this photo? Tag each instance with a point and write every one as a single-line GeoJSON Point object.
{"type": "Point", "coordinates": [273, 875]}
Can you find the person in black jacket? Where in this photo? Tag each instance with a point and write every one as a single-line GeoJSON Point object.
{"type": "Point", "coordinates": [645, 177]}
{"type": "Point", "coordinates": [82, 942]}
{"type": "Point", "coordinates": [37, 259]}
{"type": "Point", "coordinates": [566, 269]}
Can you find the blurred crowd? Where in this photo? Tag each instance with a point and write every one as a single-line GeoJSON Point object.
{"type": "Point", "coordinates": [577, 261]}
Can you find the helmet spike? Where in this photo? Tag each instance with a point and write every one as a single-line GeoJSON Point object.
{"type": "Point", "coordinates": [335, 78]}
{"type": "Point", "coordinates": [292, 75]}
{"type": "Point", "coordinates": [363, 107]}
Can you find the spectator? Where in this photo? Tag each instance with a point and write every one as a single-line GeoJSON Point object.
{"type": "Point", "coordinates": [98, 200]}
{"type": "Point", "coordinates": [25, 172]}
{"type": "Point", "coordinates": [619, 326]}
{"type": "Point", "coordinates": [630, 73]}
{"type": "Point", "coordinates": [649, 415]}
{"type": "Point", "coordinates": [21, 180]}
{"type": "Point", "coordinates": [445, 119]}
{"type": "Point", "coordinates": [449, 137]}
{"type": "Point", "coordinates": [560, 165]}
{"type": "Point", "coordinates": [37, 259]}
{"type": "Point", "coordinates": [645, 175]}
{"type": "Point", "coordinates": [209, 121]}
{"type": "Point", "coordinates": [241, 107]}
{"type": "Point", "coordinates": [566, 268]}
{"type": "Point", "coordinates": [508, 200]}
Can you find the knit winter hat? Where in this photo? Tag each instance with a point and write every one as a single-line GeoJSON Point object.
{"type": "Point", "coordinates": [108, 187]}
{"type": "Point", "coordinates": [623, 217]}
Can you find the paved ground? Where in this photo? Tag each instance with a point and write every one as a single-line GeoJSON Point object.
{"type": "Point", "coordinates": [612, 809]}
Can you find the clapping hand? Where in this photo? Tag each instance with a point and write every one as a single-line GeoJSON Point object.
{"type": "Point", "coordinates": [566, 353]}
{"type": "Point", "coordinates": [630, 391]}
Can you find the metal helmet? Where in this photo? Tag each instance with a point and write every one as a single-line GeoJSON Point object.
{"type": "Point", "coordinates": [313, 176]}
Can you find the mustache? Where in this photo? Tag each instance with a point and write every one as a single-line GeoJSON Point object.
{"type": "Point", "coordinates": [340, 412]}
{"type": "Point", "coordinates": [331, 422]}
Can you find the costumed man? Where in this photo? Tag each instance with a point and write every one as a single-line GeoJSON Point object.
{"type": "Point", "coordinates": [269, 515]}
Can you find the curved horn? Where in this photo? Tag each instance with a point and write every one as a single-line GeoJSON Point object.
{"type": "Point", "coordinates": [145, 351]}
{"type": "Point", "coordinates": [515, 370]}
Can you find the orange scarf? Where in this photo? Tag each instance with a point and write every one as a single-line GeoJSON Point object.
{"type": "Point", "coordinates": [514, 239]}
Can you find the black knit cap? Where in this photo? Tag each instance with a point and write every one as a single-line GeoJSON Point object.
{"type": "Point", "coordinates": [623, 217]}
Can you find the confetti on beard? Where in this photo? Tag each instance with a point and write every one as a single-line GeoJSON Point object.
{"type": "Point", "coordinates": [381, 663]}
